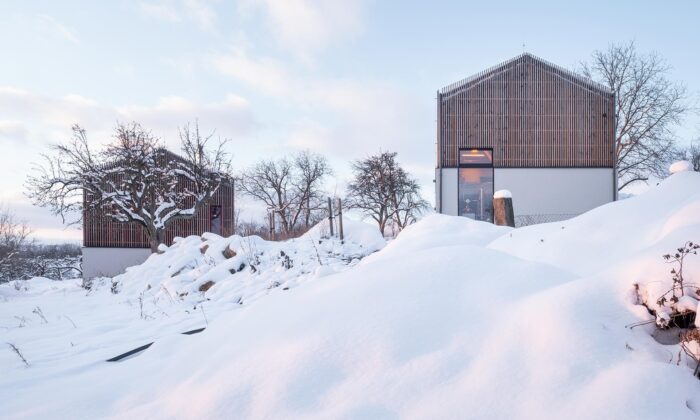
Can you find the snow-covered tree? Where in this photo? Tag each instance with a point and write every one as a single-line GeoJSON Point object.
{"type": "Point", "coordinates": [133, 179]}
{"type": "Point", "coordinates": [647, 107]}
{"type": "Point", "coordinates": [384, 191]}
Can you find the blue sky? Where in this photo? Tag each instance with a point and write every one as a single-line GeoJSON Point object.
{"type": "Point", "coordinates": [343, 78]}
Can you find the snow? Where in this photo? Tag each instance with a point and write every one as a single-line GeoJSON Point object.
{"type": "Point", "coordinates": [452, 319]}
{"type": "Point", "coordinates": [502, 194]}
{"type": "Point", "coordinates": [681, 166]}
{"type": "Point", "coordinates": [686, 303]}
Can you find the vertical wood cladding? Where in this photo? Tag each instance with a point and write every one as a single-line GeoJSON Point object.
{"type": "Point", "coordinates": [99, 230]}
{"type": "Point", "coordinates": [532, 113]}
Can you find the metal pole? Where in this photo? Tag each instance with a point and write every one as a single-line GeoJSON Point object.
{"type": "Point", "coordinates": [330, 215]}
{"type": "Point", "coordinates": [340, 219]}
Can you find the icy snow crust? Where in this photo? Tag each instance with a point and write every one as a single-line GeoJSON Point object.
{"type": "Point", "coordinates": [453, 319]}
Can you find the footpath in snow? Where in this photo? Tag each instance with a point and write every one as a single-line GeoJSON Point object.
{"type": "Point", "coordinates": [453, 319]}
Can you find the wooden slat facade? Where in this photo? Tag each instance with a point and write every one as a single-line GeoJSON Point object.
{"type": "Point", "coordinates": [99, 230]}
{"type": "Point", "coordinates": [532, 113]}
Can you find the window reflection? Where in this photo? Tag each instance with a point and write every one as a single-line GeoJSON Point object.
{"type": "Point", "coordinates": [475, 156]}
{"type": "Point", "coordinates": [476, 184]}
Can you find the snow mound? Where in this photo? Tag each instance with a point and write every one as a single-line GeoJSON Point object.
{"type": "Point", "coordinates": [241, 268]}
{"type": "Point", "coordinates": [453, 319]}
{"type": "Point", "coordinates": [664, 217]}
{"type": "Point", "coordinates": [439, 230]}
{"type": "Point", "coordinates": [681, 166]}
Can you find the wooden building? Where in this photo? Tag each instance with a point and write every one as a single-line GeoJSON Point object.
{"type": "Point", "coordinates": [531, 127]}
{"type": "Point", "coordinates": [110, 246]}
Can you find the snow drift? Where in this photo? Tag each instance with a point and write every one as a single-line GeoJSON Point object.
{"type": "Point", "coordinates": [453, 319]}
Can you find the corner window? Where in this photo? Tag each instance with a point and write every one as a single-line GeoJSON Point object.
{"type": "Point", "coordinates": [476, 184]}
{"type": "Point", "coordinates": [215, 219]}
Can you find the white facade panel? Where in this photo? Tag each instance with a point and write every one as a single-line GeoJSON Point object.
{"type": "Point", "coordinates": [547, 194]}
{"type": "Point", "coordinates": [109, 262]}
{"type": "Point", "coordinates": [448, 191]}
{"type": "Point", "coordinates": [556, 191]}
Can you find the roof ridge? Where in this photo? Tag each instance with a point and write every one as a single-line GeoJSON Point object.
{"type": "Point", "coordinates": [577, 77]}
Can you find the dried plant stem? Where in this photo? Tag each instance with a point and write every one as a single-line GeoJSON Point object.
{"type": "Point", "coordinates": [18, 353]}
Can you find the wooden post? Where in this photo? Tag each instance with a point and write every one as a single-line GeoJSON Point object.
{"type": "Point", "coordinates": [330, 215]}
{"type": "Point", "coordinates": [272, 225]}
{"type": "Point", "coordinates": [340, 219]}
{"type": "Point", "coordinates": [503, 209]}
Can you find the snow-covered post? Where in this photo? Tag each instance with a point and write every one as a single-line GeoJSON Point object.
{"type": "Point", "coordinates": [503, 208]}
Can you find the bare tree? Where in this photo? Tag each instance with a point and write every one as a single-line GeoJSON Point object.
{"type": "Point", "coordinates": [312, 169]}
{"type": "Point", "coordinates": [291, 188]}
{"type": "Point", "coordinates": [14, 236]}
{"type": "Point", "coordinates": [134, 179]}
{"type": "Point", "coordinates": [691, 153]}
{"type": "Point", "coordinates": [647, 107]}
{"type": "Point", "coordinates": [382, 190]}
{"type": "Point", "coordinates": [407, 202]}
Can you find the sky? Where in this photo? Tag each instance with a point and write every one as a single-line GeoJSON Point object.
{"type": "Point", "coordinates": [342, 78]}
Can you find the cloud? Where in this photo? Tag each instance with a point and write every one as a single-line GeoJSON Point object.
{"type": "Point", "coordinates": [46, 115]}
{"type": "Point", "coordinates": [45, 226]}
{"type": "Point", "coordinates": [57, 27]}
{"type": "Point", "coordinates": [197, 11]}
{"type": "Point", "coordinates": [160, 11]}
{"type": "Point", "coordinates": [306, 27]}
{"type": "Point", "coordinates": [30, 122]}
{"type": "Point", "coordinates": [201, 13]}
{"type": "Point", "coordinates": [308, 134]}
{"type": "Point", "coordinates": [266, 74]}
{"type": "Point", "coordinates": [231, 117]}
{"type": "Point", "coordinates": [345, 119]}
{"type": "Point", "coordinates": [13, 131]}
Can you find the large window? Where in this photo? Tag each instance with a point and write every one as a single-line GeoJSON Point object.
{"type": "Point", "coordinates": [476, 184]}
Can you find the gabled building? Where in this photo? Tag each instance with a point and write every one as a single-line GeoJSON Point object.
{"type": "Point", "coordinates": [531, 127]}
{"type": "Point", "coordinates": [109, 246]}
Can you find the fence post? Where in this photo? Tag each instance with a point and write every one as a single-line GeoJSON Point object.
{"type": "Point", "coordinates": [340, 219]}
{"type": "Point", "coordinates": [272, 225]}
{"type": "Point", "coordinates": [330, 215]}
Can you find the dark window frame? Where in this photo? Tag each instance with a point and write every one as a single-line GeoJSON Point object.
{"type": "Point", "coordinates": [474, 165]}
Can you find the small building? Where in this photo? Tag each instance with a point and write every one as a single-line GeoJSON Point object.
{"type": "Point", "coordinates": [109, 246]}
{"type": "Point", "coordinates": [531, 127]}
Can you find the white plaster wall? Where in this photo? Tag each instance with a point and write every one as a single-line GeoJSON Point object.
{"type": "Point", "coordinates": [109, 262]}
{"type": "Point", "coordinates": [566, 191]}
{"type": "Point", "coordinates": [437, 189]}
{"type": "Point", "coordinates": [448, 190]}
{"type": "Point", "coordinates": [540, 191]}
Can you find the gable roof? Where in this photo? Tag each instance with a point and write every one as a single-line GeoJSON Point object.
{"type": "Point", "coordinates": [525, 58]}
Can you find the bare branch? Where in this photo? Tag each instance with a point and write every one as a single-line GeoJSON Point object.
{"type": "Point", "coordinates": [133, 179]}
{"type": "Point", "coordinates": [647, 108]}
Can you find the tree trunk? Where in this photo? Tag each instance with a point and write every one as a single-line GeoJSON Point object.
{"type": "Point", "coordinates": [503, 211]}
{"type": "Point", "coordinates": [156, 239]}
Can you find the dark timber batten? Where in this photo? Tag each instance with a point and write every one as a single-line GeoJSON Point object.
{"type": "Point", "coordinates": [532, 113]}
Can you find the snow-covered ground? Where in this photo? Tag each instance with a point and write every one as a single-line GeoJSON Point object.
{"type": "Point", "coordinates": [453, 319]}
